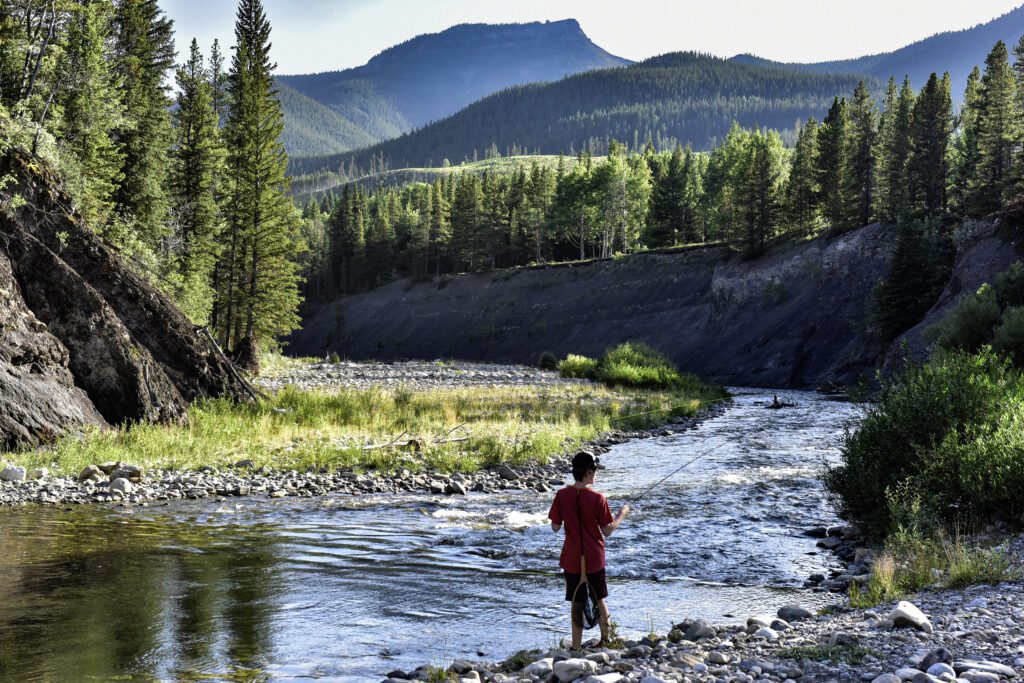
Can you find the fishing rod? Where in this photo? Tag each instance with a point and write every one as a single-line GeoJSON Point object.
{"type": "Point", "coordinates": [709, 451]}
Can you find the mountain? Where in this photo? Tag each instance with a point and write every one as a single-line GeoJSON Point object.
{"type": "Point", "coordinates": [684, 97]}
{"type": "Point", "coordinates": [955, 51]}
{"type": "Point", "coordinates": [430, 77]}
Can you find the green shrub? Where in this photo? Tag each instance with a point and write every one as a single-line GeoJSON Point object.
{"type": "Point", "coordinates": [944, 437]}
{"type": "Point", "coordinates": [1009, 335]}
{"type": "Point", "coordinates": [578, 367]}
{"type": "Point", "coordinates": [547, 361]}
{"type": "Point", "coordinates": [637, 365]}
{"type": "Point", "coordinates": [969, 326]}
{"type": "Point", "coordinates": [335, 358]}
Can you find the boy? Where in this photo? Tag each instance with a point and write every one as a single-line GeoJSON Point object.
{"type": "Point", "coordinates": [587, 518]}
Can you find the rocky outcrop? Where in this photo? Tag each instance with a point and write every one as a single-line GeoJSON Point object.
{"type": "Point", "coordinates": [86, 341]}
{"type": "Point", "coordinates": [796, 317]}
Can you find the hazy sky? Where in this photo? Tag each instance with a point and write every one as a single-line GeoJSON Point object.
{"type": "Point", "coordinates": [324, 35]}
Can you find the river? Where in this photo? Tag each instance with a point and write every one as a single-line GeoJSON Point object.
{"type": "Point", "coordinates": [346, 589]}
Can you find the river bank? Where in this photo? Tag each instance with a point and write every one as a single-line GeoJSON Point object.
{"type": "Point", "coordinates": [972, 635]}
{"type": "Point", "coordinates": [496, 428]}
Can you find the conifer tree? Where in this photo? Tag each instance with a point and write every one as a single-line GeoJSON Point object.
{"type": "Point", "coordinates": [802, 191]}
{"type": "Point", "coordinates": [144, 55]}
{"type": "Point", "coordinates": [833, 145]}
{"type": "Point", "coordinates": [218, 83]}
{"type": "Point", "coordinates": [92, 111]}
{"type": "Point", "coordinates": [860, 174]}
{"type": "Point", "coordinates": [440, 226]}
{"type": "Point", "coordinates": [997, 135]}
{"type": "Point", "coordinates": [761, 191]}
{"type": "Point", "coordinates": [894, 149]}
{"type": "Point", "coordinates": [260, 281]}
{"type": "Point", "coordinates": [928, 170]}
{"type": "Point", "coordinates": [197, 162]}
{"type": "Point", "coordinates": [965, 144]}
{"type": "Point", "coordinates": [668, 213]}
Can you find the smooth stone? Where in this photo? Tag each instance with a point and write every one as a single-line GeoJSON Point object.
{"type": "Point", "coordinates": [540, 668]}
{"type": "Point", "coordinates": [698, 630]}
{"type": "Point", "coordinates": [716, 657]}
{"type": "Point", "coordinates": [121, 485]}
{"type": "Point", "coordinates": [907, 673]}
{"type": "Point", "coordinates": [13, 473]}
{"type": "Point", "coordinates": [780, 625]}
{"type": "Point", "coordinates": [40, 473]}
{"type": "Point", "coordinates": [651, 678]}
{"type": "Point", "coordinates": [907, 614]}
{"type": "Point", "coordinates": [90, 472]}
{"type": "Point", "coordinates": [940, 668]}
{"type": "Point", "coordinates": [793, 613]}
{"type": "Point", "coordinates": [984, 666]}
{"type": "Point", "coordinates": [980, 677]}
{"type": "Point", "coordinates": [887, 678]}
{"type": "Point", "coordinates": [571, 669]}
{"type": "Point", "coordinates": [461, 666]}
{"type": "Point", "coordinates": [767, 634]}
{"type": "Point", "coordinates": [605, 678]}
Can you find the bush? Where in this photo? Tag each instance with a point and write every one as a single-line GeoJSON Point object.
{"type": "Point", "coordinates": [1009, 336]}
{"type": "Point", "coordinates": [969, 326]}
{"type": "Point", "coordinates": [578, 367]}
{"type": "Point", "coordinates": [637, 365]}
{"type": "Point", "coordinates": [942, 442]}
{"type": "Point", "coordinates": [547, 361]}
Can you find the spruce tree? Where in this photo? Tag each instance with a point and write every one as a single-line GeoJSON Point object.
{"type": "Point", "coordinates": [860, 174]}
{"type": "Point", "coordinates": [832, 166]}
{"type": "Point", "coordinates": [260, 282]}
{"type": "Point", "coordinates": [197, 162]}
{"type": "Point", "coordinates": [668, 213]}
{"type": "Point", "coordinates": [928, 170]}
{"type": "Point", "coordinates": [965, 144]}
{"type": "Point", "coordinates": [802, 191]}
{"type": "Point", "coordinates": [92, 111]}
{"type": "Point", "coordinates": [894, 149]}
{"type": "Point", "coordinates": [144, 55]}
{"type": "Point", "coordinates": [997, 135]}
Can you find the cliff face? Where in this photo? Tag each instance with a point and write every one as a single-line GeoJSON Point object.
{"type": "Point", "coordinates": [793, 318]}
{"type": "Point", "coordinates": [85, 340]}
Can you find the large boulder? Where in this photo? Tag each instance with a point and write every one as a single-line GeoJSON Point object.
{"type": "Point", "coordinates": [86, 339]}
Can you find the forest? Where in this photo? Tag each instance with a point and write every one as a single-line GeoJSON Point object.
{"type": "Point", "coordinates": [905, 158]}
{"type": "Point", "coordinates": [187, 180]}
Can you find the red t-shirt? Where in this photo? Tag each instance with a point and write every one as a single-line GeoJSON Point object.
{"type": "Point", "coordinates": [596, 514]}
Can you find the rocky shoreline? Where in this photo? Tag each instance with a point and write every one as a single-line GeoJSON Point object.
{"type": "Point", "coordinates": [972, 635]}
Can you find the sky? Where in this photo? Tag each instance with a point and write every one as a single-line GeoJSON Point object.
{"type": "Point", "coordinates": [326, 35]}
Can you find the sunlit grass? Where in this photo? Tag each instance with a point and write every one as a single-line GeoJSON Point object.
{"type": "Point", "coordinates": [454, 429]}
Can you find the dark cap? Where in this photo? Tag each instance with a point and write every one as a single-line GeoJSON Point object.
{"type": "Point", "coordinates": [585, 461]}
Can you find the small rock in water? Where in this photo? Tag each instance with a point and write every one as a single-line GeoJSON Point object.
{"type": "Point", "coordinates": [795, 612]}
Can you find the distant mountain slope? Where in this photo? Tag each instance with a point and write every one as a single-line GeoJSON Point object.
{"type": "Point", "coordinates": [956, 51]}
{"type": "Point", "coordinates": [433, 76]}
{"type": "Point", "coordinates": [680, 96]}
{"type": "Point", "coordinates": [314, 128]}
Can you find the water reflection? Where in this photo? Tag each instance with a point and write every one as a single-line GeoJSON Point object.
{"type": "Point", "coordinates": [90, 593]}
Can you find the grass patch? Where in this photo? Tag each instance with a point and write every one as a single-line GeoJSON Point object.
{"type": "Point", "coordinates": [313, 430]}
{"type": "Point", "coordinates": [631, 364]}
{"type": "Point", "coordinates": [910, 563]}
{"type": "Point", "coordinates": [837, 654]}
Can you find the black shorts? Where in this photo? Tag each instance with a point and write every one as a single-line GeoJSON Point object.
{"type": "Point", "coordinates": [596, 580]}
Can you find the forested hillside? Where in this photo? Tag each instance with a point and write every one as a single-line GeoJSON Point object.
{"type": "Point", "coordinates": [955, 51]}
{"type": "Point", "coordinates": [676, 98]}
{"type": "Point", "coordinates": [430, 77]}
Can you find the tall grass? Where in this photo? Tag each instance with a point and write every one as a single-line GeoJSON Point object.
{"type": "Point", "coordinates": [459, 429]}
{"type": "Point", "coordinates": [631, 364]}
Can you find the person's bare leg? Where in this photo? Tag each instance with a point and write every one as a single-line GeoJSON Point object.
{"type": "Point", "coordinates": [576, 612]}
{"type": "Point", "coordinates": [605, 617]}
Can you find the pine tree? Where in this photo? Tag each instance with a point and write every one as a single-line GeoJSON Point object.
{"type": "Point", "coordinates": [802, 192]}
{"type": "Point", "coordinates": [761, 190]}
{"type": "Point", "coordinates": [668, 213]}
{"type": "Point", "coordinates": [144, 51]}
{"type": "Point", "coordinates": [833, 145]}
{"type": "Point", "coordinates": [965, 144]}
{"type": "Point", "coordinates": [197, 162]}
{"type": "Point", "coordinates": [928, 170]}
{"type": "Point", "coordinates": [894, 149]}
{"type": "Point", "coordinates": [467, 221]}
{"type": "Point", "coordinates": [218, 83]}
{"type": "Point", "coordinates": [997, 135]}
{"type": "Point", "coordinates": [92, 111]}
{"type": "Point", "coordinates": [860, 174]}
{"type": "Point", "coordinates": [260, 279]}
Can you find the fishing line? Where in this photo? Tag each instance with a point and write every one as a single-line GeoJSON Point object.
{"type": "Point", "coordinates": [682, 467]}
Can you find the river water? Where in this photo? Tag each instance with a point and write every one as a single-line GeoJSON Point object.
{"type": "Point", "coordinates": [345, 589]}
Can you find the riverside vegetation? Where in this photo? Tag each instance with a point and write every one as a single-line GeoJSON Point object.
{"type": "Point", "coordinates": [390, 427]}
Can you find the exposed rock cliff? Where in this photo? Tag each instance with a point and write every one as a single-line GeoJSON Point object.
{"type": "Point", "coordinates": [85, 340]}
{"type": "Point", "coordinates": [794, 318]}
